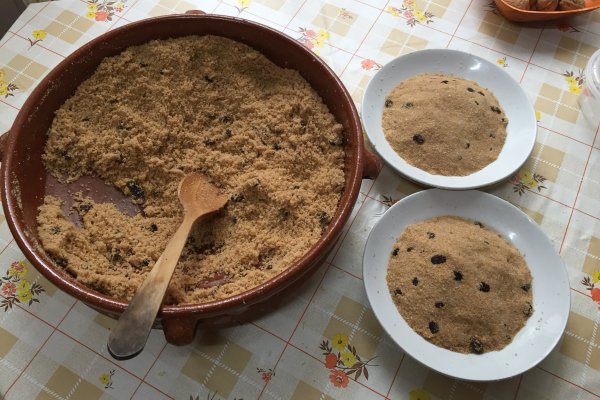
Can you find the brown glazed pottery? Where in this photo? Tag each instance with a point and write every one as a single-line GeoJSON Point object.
{"type": "Point", "coordinates": [517, 15]}
{"type": "Point", "coordinates": [25, 181]}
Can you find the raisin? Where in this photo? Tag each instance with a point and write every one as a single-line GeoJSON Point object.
{"type": "Point", "coordinates": [495, 109]}
{"type": "Point", "coordinates": [526, 287]}
{"type": "Point", "coordinates": [226, 119]}
{"type": "Point", "coordinates": [398, 291]}
{"type": "Point", "coordinates": [476, 102]}
{"type": "Point", "coordinates": [479, 224]}
{"type": "Point", "coordinates": [135, 189]}
{"type": "Point", "coordinates": [237, 197]}
{"type": "Point", "coordinates": [439, 304]}
{"type": "Point", "coordinates": [467, 145]}
{"type": "Point", "coordinates": [481, 93]}
{"type": "Point", "coordinates": [528, 310]}
{"type": "Point", "coordinates": [415, 281]}
{"type": "Point", "coordinates": [492, 136]}
{"type": "Point", "coordinates": [475, 345]}
{"type": "Point", "coordinates": [484, 287]}
{"type": "Point", "coordinates": [395, 252]}
{"type": "Point", "coordinates": [209, 79]}
{"type": "Point", "coordinates": [438, 259]}
{"type": "Point", "coordinates": [303, 124]}
{"type": "Point", "coordinates": [445, 82]}
{"type": "Point", "coordinates": [228, 133]}
{"type": "Point", "coordinates": [433, 327]}
{"type": "Point", "coordinates": [408, 105]}
{"type": "Point", "coordinates": [55, 230]}
{"type": "Point", "coordinates": [324, 217]}
{"type": "Point", "coordinates": [430, 235]}
{"type": "Point", "coordinates": [145, 262]}
{"type": "Point", "coordinates": [388, 103]}
{"type": "Point", "coordinates": [276, 146]}
{"type": "Point", "coordinates": [458, 276]}
{"type": "Point", "coordinates": [284, 213]}
{"type": "Point", "coordinates": [153, 227]}
{"type": "Point", "coordinates": [85, 207]}
{"type": "Point", "coordinates": [209, 141]}
{"type": "Point", "coordinates": [409, 249]}
{"type": "Point", "coordinates": [64, 154]}
{"type": "Point", "coordinates": [418, 139]}
{"type": "Point", "coordinates": [61, 262]}
{"type": "Point", "coordinates": [115, 255]}
{"type": "Point", "coordinates": [471, 90]}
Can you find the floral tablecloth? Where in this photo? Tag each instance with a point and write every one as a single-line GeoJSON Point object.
{"type": "Point", "coordinates": [324, 342]}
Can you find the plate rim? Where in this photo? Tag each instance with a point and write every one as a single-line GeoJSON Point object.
{"type": "Point", "coordinates": [445, 183]}
{"type": "Point", "coordinates": [564, 277]}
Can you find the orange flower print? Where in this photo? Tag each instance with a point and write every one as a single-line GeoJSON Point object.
{"type": "Point", "coordinates": [266, 377]}
{"type": "Point", "coordinates": [16, 289]}
{"type": "Point", "coordinates": [101, 15]}
{"type": "Point", "coordinates": [590, 284]}
{"type": "Point", "coordinates": [9, 289]}
{"type": "Point", "coordinates": [338, 378]}
{"type": "Point", "coordinates": [265, 374]}
{"type": "Point", "coordinates": [310, 33]}
{"type": "Point", "coordinates": [312, 39]}
{"type": "Point", "coordinates": [369, 65]}
{"type": "Point", "coordinates": [565, 27]}
{"type": "Point", "coordinates": [525, 179]}
{"type": "Point", "coordinates": [344, 362]}
{"type": "Point", "coordinates": [330, 361]}
{"type": "Point", "coordinates": [104, 10]}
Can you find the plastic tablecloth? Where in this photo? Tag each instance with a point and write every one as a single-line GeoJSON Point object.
{"type": "Point", "coordinates": [54, 347]}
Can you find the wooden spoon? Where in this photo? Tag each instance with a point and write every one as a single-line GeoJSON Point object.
{"type": "Point", "coordinates": [199, 198]}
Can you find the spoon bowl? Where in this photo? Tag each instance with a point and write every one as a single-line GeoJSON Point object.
{"type": "Point", "coordinates": [200, 199]}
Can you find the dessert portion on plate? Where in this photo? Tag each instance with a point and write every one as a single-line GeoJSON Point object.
{"type": "Point", "coordinates": [444, 124]}
{"type": "Point", "coordinates": [466, 284]}
{"type": "Point", "coordinates": [448, 119]}
{"type": "Point", "coordinates": [459, 284]}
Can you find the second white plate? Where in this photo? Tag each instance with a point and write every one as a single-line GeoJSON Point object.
{"type": "Point", "coordinates": [550, 284]}
{"type": "Point", "coordinates": [521, 130]}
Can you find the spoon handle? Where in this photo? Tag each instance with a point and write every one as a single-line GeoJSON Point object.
{"type": "Point", "coordinates": [129, 336]}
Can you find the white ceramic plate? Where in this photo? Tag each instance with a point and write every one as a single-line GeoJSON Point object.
{"type": "Point", "coordinates": [551, 292]}
{"type": "Point", "coordinates": [521, 129]}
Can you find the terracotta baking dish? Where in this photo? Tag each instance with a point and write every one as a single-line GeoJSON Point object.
{"type": "Point", "coordinates": [25, 181]}
{"type": "Point", "coordinates": [516, 14]}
